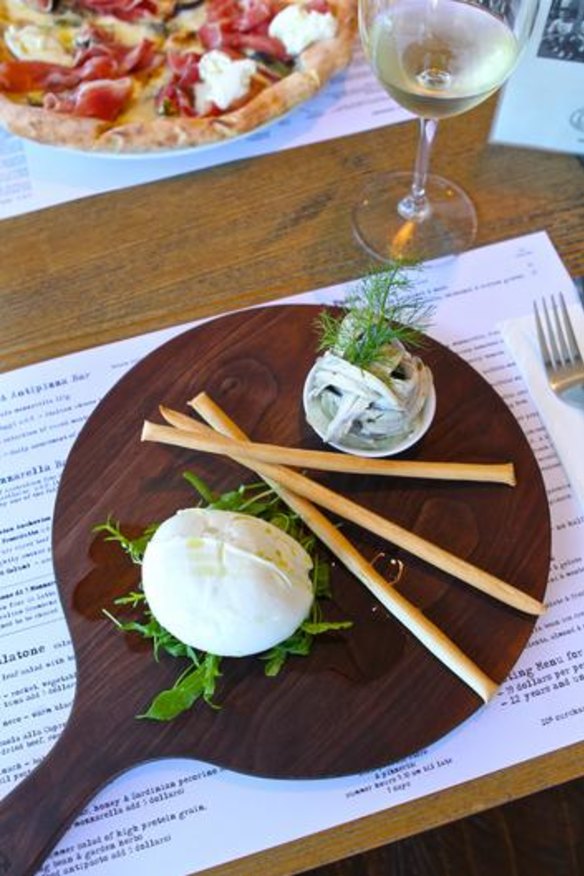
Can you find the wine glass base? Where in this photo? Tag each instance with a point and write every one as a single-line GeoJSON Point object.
{"type": "Point", "coordinates": [448, 227]}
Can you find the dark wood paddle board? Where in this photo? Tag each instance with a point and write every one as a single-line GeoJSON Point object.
{"type": "Point", "coordinates": [364, 697]}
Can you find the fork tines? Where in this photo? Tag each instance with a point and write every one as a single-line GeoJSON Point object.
{"type": "Point", "coordinates": [562, 349]}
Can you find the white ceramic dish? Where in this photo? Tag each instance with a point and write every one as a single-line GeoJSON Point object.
{"type": "Point", "coordinates": [388, 447]}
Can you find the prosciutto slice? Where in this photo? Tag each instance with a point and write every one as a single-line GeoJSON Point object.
{"type": "Point", "coordinates": [245, 15]}
{"type": "Point", "coordinates": [185, 67]}
{"type": "Point", "coordinates": [102, 51]}
{"type": "Point", "coordinates": [20, 77]}
{"type": "Point", "coordinates": [101, 61]}
{"type": "Point", "coordinates": [177, 96]}
{"type": "Point", "coordinates": [214, 36]}
{"type": "Point", "coordinates": [100, 99]}
{"type": "Point", "coordinates": [241, 26]}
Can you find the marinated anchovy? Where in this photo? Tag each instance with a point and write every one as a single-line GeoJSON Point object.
{"type": "Point", "coordinates": [369, 405]}
{"type": "Point", "coordinates": [367, 393]}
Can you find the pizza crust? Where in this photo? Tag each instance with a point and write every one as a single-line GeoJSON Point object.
{"type": "Point", "coordinates": [162, 133]}
{"type": "Point", "coordinates": [35, 123]}
{"type": "Point", "coordinates": [314, 67]}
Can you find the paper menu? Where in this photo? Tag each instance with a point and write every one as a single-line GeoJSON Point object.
{"type": "Point", "coordinates": [542, 105]}
{"type": "Point", "coordinates": [179, 816]}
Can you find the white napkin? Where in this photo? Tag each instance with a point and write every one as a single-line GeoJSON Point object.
{"type": "Point", "coordinates": [564, 422]}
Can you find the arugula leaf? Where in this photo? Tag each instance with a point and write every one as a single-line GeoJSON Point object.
{"type": "Point", "coordinates": [134, 547]}
{"type": "Point", "coordinates": [314, 628]}
{"type": "Point", "coordinates": [200, 486]}
{"type": "Point", "coordinates": [299, 643]}
{"type": "Point", "coordinates": [199, 681]}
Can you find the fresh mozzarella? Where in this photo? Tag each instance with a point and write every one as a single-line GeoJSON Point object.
{"type": "Point", "coordinates": [34, 42]}
{"type": "Point", "coordinates": [223, 80]}
{"type": "Point", "coordinates": [298, 28]}
{"type": "Point", "coordinates": [226, 583]}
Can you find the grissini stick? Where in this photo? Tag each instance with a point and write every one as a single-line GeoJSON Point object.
{"type": "Point", "coordinates": [397, 605]}
{"type": "Point", "coordinates": [325, 461]}
{"type": "Point", "coordinates": [387, 530]}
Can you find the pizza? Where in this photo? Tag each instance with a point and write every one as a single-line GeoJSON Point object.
{"type": "Point", "coordinates": [146, 75]}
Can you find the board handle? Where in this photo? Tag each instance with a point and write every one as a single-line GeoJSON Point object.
{"type": "Point", "coordinates": [35, 815]}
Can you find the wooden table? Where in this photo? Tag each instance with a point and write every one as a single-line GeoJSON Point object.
{"type": "Point", "coordinates": [120, 264]}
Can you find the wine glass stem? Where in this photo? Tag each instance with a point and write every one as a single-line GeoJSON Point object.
{"type": "Point", "coordinates": [416, 206]}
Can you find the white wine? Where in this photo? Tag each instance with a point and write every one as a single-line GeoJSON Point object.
{"type": "Point", "coordinates": [439, 58]}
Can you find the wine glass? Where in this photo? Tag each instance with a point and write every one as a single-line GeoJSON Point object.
{"type": "Point", "coordinates": [437, 58]}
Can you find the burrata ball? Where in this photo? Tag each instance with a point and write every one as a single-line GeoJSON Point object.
{"type": "Point", "coordinates": [225, 582]}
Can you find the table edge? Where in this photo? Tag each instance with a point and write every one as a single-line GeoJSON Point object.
{"type": "Point", "coordinates": [398, 822]}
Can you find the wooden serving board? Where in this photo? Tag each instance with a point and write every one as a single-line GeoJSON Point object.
{"type": "Point", "coordinates": [366, 696]}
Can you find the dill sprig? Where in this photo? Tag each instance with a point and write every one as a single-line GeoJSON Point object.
{"type": "Point", "coordinates": [203, 670]}
{"type": "Point", "coordinates": [383, 308]}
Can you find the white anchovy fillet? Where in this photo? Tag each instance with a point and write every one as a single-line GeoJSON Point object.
{"type": "Point", "coordinates": [349, 409]}
{"type": "Point", "coordinates": [368, 405]}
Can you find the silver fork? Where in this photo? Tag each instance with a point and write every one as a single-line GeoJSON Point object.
{"type": "Point", "coordinates": [560, 352]}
